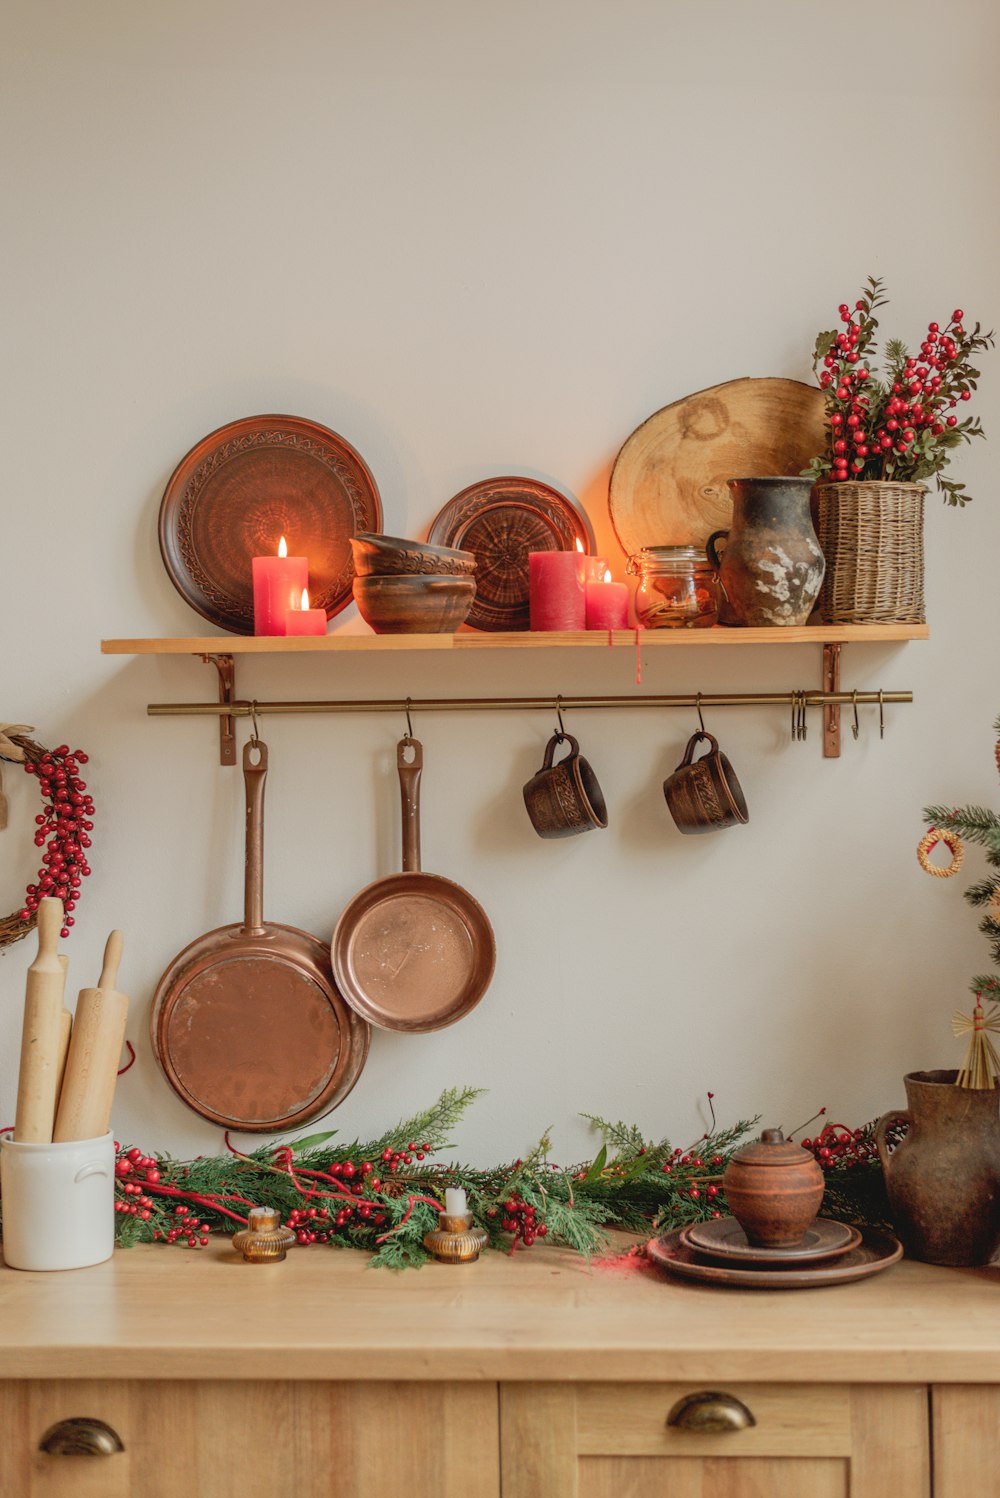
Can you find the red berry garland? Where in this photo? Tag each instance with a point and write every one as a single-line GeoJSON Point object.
{"type": "Point", "coordinates": [63, 829]}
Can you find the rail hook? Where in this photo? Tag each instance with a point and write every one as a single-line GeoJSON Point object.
{"type": "Point", "coordinates": [855, 726]}
{"type": "Point", "coordinates": [562, 726]}
{"type": "Point", "coordinates": [254, 730]}
{"type": "Point", "coordinates": [881, 714]}
{"type": "Point", "coordinates": [701, 720]}
{"type": "Point", "coordinates": [409, 723]}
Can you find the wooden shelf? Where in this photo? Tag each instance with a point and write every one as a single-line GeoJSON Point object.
{"type": "Point", "coordinates": [623, 639]}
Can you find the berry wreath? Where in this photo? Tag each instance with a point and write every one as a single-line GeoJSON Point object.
{"type": "Point", "coordinates": [63, 828]}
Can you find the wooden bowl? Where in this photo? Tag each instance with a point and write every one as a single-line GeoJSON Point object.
{"type": "Point", "coordinates": [391, 556]}
{"type": "Point", "coordinates": [424, 605]}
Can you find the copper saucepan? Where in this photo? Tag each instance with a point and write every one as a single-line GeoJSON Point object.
{"type": "Point", "coordinates": [247, 1022]}
{"type": "Point", "coordinates": [413, 951]}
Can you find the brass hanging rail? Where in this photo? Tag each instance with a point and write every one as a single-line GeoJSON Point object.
{"type": "Point", "coordinates": [244, 708]}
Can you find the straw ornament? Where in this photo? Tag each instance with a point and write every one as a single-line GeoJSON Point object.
{"type": "Point", "coordinates": [981, 1067]}
{"type": "Point", "coordinates": [952, 842]}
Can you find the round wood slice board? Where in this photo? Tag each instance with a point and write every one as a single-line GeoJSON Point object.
{"type": "Point", "coordinates": [500, 521]}
{"type": "Point", "coordinates": [242, 488]}
{"type": "Point", "coordinates": [668, 486]}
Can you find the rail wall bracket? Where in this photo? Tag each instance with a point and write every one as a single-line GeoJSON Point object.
{"type": "Point", "coordinates": [831, 712]}
{"type": "Point", "coordinates": [226, 667]}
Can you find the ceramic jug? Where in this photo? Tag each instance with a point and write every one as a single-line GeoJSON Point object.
{"type": "Point", "coordinates": [943, 1180]}
{"type": "Point", "coordinates": [771, 567]}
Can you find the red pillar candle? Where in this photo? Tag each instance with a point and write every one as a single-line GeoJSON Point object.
{"type": "Point", "coordinates": [277, 587]}
{"type": "Point", "coordinates": [607, 603]}
{"type": "Point", "coordinates": [304, 620]}
{"type": "Point", "coordinates": [556, 582]}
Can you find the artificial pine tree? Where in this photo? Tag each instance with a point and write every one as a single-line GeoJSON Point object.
{"type": "Point", "coordinates": [974, 824]}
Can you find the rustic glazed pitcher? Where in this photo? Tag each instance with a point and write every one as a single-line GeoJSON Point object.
{"type": "Point", "coordinates": [943, 1180]}
{"type": "Point", "coordinates": [771, 567]}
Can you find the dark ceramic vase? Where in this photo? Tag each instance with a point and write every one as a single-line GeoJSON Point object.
{"type": "Point", "coordinates": [771, 567]}
{"type": "Point", "coordinates": [943, 1180]}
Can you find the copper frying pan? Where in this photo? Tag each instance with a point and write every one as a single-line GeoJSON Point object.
{"type": "Point", "coordinates": [413, 951]}
{"type": "Point", "coordinates": [247, 1022]}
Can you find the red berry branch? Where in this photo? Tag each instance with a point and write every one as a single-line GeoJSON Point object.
{"type": "Point", "coordinates": [63, 829]}
{"type": "Point", "coordinates": [901, 426]}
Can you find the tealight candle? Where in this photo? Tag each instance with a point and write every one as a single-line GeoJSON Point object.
{"type": "Point", "coordinates": [607, 603]}
{"type": "Point", "coordinates": [455, 1202]}
{"type": "Point", "coordinates": [277, 587]}
{"type": "Point", "coordinates": [304, 620]}
{"type": "Point", "coordinates": [556, 595]}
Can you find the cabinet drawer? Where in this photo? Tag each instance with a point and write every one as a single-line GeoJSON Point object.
{"type": "Point", "coordinates": [790, 1419]}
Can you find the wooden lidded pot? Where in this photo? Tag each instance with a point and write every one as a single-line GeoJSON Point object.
{"type": "Point", "coordinates": [774, 1189]}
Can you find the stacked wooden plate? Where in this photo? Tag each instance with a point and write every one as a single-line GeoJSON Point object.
{"type": "Point", "coordinates": [718, 1252]}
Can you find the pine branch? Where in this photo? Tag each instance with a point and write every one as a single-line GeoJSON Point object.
{"type": "Point", "coordinates": [983, 893]}
{"type": "Point", "coordinates": [977, 823]}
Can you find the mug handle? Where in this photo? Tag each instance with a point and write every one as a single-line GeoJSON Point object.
{"type": "Point", "coordinates": [554, 741]}
{"type": "Point", "coordinates": [712, 549]}
{"type": "Point", "coordinates": [696, 738]}
{"type": "Point", "coordinates": [898, 1115]}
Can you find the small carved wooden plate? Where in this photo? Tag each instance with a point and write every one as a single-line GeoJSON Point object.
{"type": "Point", "coordinates": [242, 488]}
{"type": "Point", "coordinates": [500, 520]}
{"type": "Point", "coordinates": [877, 1251]}
{"type": "Point", "coordinates": [668, 485]}
{"type": "Point", "coordinates": [723, 1238]}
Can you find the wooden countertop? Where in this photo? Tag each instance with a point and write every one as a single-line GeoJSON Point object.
{"type": "Point", "coordinates": [158, 1312]}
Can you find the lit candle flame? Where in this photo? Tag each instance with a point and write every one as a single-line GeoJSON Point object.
{"type": "Point", "coordinates": [579, 545]}
{"type": "Point", "coordinates": [607, 575]}
{"type": "Point", "coordinates": [282, 548]}
{"type": "Point", "coordinates": [305, 598]}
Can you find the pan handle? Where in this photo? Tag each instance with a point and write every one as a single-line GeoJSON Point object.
{"type": "Point", "coordinates": [409, 787]}
{"type": "Point", "coordinates": [254, 776]}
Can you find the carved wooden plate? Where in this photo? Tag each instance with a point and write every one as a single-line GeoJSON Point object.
{"type": "Point", "coordinates": [242, 488]}
{"type": "Point", "coordinates": [500, 520]}
{"type": "Point", "coordinates": [668, 485]}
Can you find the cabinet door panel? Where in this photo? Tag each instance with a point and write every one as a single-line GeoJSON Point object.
{"type": "Point", "coordinates": [254, 1439]}
{"type": "Point", "coordinates": [966, 1425]}
{"type": "Point", "coordinates": [595, 1441]}
{"type": "Point", "coordinates": [712, 1477]}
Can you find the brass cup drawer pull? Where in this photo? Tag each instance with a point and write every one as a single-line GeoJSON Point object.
{"type": "Point", "coordinates": [82, 1436]}
{"type": "Point", "coordinates": [710, 1413]}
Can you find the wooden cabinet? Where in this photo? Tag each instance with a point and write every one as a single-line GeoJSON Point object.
{"type": "Point", "coordinates": [818, 1441]}
{"type": "Point", "coordinates": [537, 1376]}
{"type": "Point", "coordinates": [197, 1439]}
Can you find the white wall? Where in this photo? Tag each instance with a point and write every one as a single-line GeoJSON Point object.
{"type": "Point", "coordinates": [478, 240]}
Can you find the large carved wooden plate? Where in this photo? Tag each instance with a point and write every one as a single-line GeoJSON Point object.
{"type": "Point", "coordinates": [500, 520]}
{"type": "Point", "coordinates": [668, 486]}
{"type": "Point", "coordinates": [242, 488]}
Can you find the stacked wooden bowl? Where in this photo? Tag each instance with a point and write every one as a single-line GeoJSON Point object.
{"type": "Point", "coordinates": [411, 587]}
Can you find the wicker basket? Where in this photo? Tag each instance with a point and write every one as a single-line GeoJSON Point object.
{"type": "Point", "coordinates": [872, 536]}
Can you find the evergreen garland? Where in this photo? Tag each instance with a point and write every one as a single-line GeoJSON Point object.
{"type": "Point", "coordinates": [383, 1195]}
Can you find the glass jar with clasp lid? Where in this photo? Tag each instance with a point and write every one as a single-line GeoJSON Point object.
{"type": "Point", "coordinates": [678, 587]}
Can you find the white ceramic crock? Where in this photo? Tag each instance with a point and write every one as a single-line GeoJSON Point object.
{"type": "Point", "coordinates": [58, 1203]}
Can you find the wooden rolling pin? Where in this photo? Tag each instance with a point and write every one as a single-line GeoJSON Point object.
{"type": "Point", "coordinates": [38, 1079]}
{"type": "Point", "coordinates": [95, 1049]}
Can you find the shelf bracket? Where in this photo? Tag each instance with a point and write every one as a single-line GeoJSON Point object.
{"type": "Point", "coordinates": [226, 667]}
{"type": "Point", "coordinates": [831, 713]}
